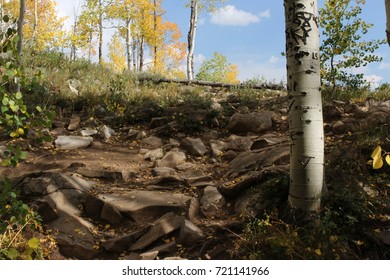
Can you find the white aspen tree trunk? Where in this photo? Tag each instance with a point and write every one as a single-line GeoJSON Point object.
{"type": "Point", "coordinates": [387, 5]}
{"type": "Point", "coordinates": [100, 55]}
{"type": "Point", "coordinates": [128, 43]}
{"type": "Point", "coordinates": [191, 39]}
{"type": "Point", "coordinates": [305, 111]}
{"type": "Point", "coordinates": [35, 25]}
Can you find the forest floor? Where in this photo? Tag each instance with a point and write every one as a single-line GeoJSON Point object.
{"type": "Point", "coordinates": [156, 191]}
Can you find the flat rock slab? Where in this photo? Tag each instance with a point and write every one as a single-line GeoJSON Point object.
{"type": "Point", "coordinates": [258, 159]}
{"type": "Point", "coordinates": [163, 226]}
{"type": "Point", "coordinates": [239, 185]}
{"type": "Point", "coordinates": [145, 206]}
{"type": "Point", "coordinates": [61, 194]}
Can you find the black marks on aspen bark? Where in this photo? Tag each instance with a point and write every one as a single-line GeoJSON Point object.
{"type": "Point", "coordinates": [301, 27]}
{"type": "Point", "coordinates": [305, 161]}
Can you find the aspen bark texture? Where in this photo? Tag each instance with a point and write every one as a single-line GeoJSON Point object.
{"type": "Point", "coordinates": [305, 107]}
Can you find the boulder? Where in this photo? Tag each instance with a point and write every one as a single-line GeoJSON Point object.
{"type": "Point", "coordinates": [190, 233]}
{"type": "Point", "coordinates": [60, 195]}
{"type": "Point", "coordinates": [218, 147]}
{"type": "Point", "coordinates": [74, 123]}
{"type": "Point", "coordinates": [142, 206]}
{"type": "Point", "coordinates": [152, 142]}
{"type": "Point", "coordinates": [212, 201]}
{"type": "Point", "coordinates": [163, 226]}
{"type": "Point", "coordinates": [240, 143]}
{"type": "Point", "coordinates": [252, 122]}
{"type": "Point", "coordinates": [72, 142]}
{"type": "Point", "coordinates": [172, 159]}
{"type": "Point", "coordinates": [154, 155]}
{"type": "Point", "coordinates": [257, 159]}
{"type": "Point", "coordinates": [194, 146]}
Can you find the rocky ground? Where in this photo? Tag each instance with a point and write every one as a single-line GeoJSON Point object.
{"type": "Point", "coordinates": [153, 192]}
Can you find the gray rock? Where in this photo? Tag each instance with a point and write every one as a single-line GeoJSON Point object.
{"type": "Point", "coordinates": [152, 142]}
{"type": "Point", "coordinates": [252, 122]}
{"type": "Point", "coordinates": [240, 143]}
{"type": "Point", "coordinates": [145, 206]}
{"type": "Point", "coordinates": [172, 159]}
{"type": "Point", "coordinates": [72, 142]}
{"type": "Point", "coordinates": [114, 176]}
{"type": "Point", "coordinates": [64, 193]}
{"type": "Point", "coordinates": [74, 123]}
{"type": "Point", "coordinates": [197, 178]}
{"type": "Point", "coordinates": [163, 226]}
{"type": "Point", "coordinates": [122, 243]}
{"type": "Point", "coordinates": [218, 147]}
{"type": "Point", "coordinates": [211, 135]}
{"type": "Point", "coordinates": [190, 233]}
{"type": "Point", "coordinates": [345, 126]}
{"type": "Point", "coordinates": [88, 132]}
{"type": "Point", "coordinates": [194, 146]}
{"type": "Point", "coordinates": [212, 201]}
{"type": "Point", "coordinates": [238, 186]}
{"type": "Point", "coordinates": [106, 132]}
{"type": "Point", "coordinates": [154, 155]}
{"type": "Point", "coordinates": [268, 140]}
{"type": "Point", "coordinates": [169, 248]}
{"type": "Point", "coordinates": [163, 171]}
{"type": "Point", "coordinates": [255, 160]}
{"type": "Point", "coordinates": [193, 210]}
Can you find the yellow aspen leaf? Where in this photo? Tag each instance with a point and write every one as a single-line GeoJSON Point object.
{"type": "Point", "coordinates": [377, 152]}
{"type": "Point", "coordinates": [377, 163]}
{"type": "Point", "coordinates": [387, 159]}
{"type": "Point", "coordinates": [33, 243]}
{"type": "Point", "coordinates": [318, 252]}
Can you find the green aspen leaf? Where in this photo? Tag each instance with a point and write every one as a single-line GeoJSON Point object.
{"type": "Point", "coordinates": [5, 101]}
{"type": "Point", "coordinates": [18, 95]}
{"type": "Point", "coordinates": [12, 254]}
{"type": "Point", "coordinates": [14, 134]}
{"type": "Point", "coordinates": [377, 163]}
{"type": "Point", "coordinates": [33, 243]}
{"type": "Point", "coordinates": [377, 153]}
{"type": "Point", "coordinates": [387, 159]}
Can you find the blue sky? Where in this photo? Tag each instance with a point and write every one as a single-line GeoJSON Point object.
{"type": "Point", "coordinates": [250, 33]}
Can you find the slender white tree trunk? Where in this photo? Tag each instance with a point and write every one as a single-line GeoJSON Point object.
{"type": "Point", "coordinates": [100, 55]}
{"type": "Point", "coordinates": [305, 114]}
{"type": "Point", "coordinates": [191, 39]}
{"type": "Point", "coordinates": [35, 25]}
{"type": "Point", "coordinates": [128, 43]}
{"type": "Point", "coordinates": [387, 5]}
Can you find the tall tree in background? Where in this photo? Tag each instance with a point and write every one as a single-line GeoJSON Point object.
{"type": "Point", "coordinates": [343, 49]}
{"type": "Point", "coordinates": [43, 27]}
{"type": "Point", "coordinates": [91, 22]}
{"type": "Point", "coordinates": [305, 114]}
{"type": "Point", "coordinates": [196, 7]}
{"type": "Point", "coordinates": [116, 54]}
{"type": "Point", "coordinates": [217, 69]}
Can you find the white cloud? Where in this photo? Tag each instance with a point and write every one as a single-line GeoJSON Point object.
{"type": "Point", "coordinates": [374, 80]}
{"type": "Point", "coordinates": [231, 16]}
{"type": "Point", "coordinates": [274, 59]}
